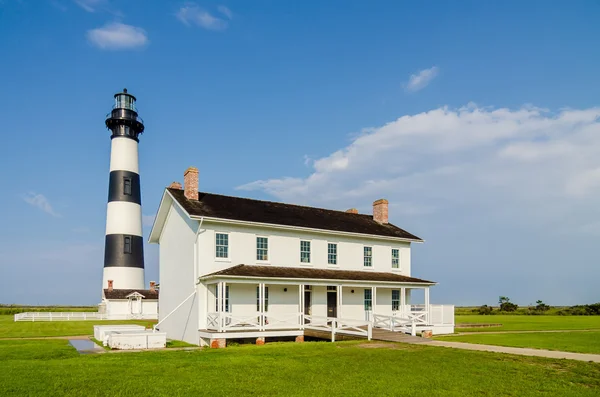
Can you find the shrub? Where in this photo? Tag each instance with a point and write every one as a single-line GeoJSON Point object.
{"type": "Point", "coordinates": [506, 305]}
{"type": "Point", "coordinates": [485, 310]}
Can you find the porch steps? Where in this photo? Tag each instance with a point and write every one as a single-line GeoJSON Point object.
{"type": "Point", "coordinates": [391, 336]}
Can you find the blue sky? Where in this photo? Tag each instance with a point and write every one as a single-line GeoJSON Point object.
{"type": "Point", "coordinates": [478, 121]}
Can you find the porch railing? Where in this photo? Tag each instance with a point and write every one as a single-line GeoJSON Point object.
{"type": "Point", "coordinates": [256, 321]}
{"type": "Point", "coordinates": [339, 326]}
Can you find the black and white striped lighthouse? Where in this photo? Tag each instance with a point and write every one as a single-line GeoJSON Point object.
{"type": "Point", "coordinates": [123, 249]}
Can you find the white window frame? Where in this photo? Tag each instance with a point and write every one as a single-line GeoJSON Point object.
{"type": "Point", "coordinates": [368, 291]}
{"type": "Point", "coordinates": [396, 269]}
{"type": "Point", "coordinates": [370, 247]}
{"type": "Point", "coordinates": [337, 262]}
{"type": "Point", "coordinates": [397, 301]}
{"type": "Point", "coordinates": [268, 260]}
{"type": "Point", "coordinates": [228, 258]}
{"type": "Point", "coordinates": [303, 240]}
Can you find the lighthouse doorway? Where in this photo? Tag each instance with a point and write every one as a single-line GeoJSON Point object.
{"type": "Point", "coordinates": [135, 305]}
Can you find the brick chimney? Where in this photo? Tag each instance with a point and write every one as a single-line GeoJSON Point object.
{"type": "Point", "coordinates": [152, 286]}
{"type": "Point", "coordinates": [190, 183]}
{"type": "Point", "coordinates": [380, 211]}
{"type": "Point", "coordinates": [352, 211]}
{"type": "Point", "coordinates": [175, 185]}
{"type": "Point", "coordinates": [110, 285]}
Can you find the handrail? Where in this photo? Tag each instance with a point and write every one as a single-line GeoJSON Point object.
{"type": "Point", "coordinates": [173, 311]}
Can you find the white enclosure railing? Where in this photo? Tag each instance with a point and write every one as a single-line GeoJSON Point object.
{"type": "Point", "coordinates": [339, 326]}
{"type": "Point", "coordinates": [394, 323]}
{"type": "Point", "coordinates": [80, 316]}
{"type": "Point", "coordinates": [62, 316]}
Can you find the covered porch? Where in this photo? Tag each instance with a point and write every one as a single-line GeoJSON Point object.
{"type": "Point", "coordinates": [260, 301]}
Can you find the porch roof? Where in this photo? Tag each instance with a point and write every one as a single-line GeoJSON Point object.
{"type": "Point", "coordinates": [279, 272]}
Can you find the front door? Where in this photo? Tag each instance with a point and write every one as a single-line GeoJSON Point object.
{"type": "Point", "coordinates": [332, 304]}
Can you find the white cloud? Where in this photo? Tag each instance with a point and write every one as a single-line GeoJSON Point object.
{"type": "Point", "coordinates": [527, 161]}
{"type": "Point", "coordinates": [225, 11]}
{"type": "Point", "coordinates": [118, 36]}
{"type": "Point", "coordinates": [191, 13]}
{"type": "Point", "coordinates": [91, 5]}
{"type": "Point", "coordinates": [420, 80]}
{"type": "Point", "coordinates": [40, 201]}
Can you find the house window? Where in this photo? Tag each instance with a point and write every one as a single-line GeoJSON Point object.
{"type": "Point", "coordinates": [395, 300]}
{"type": "Point", "coordinates": [258, 299]}
{"type": "Point", "coordinates": [332, 254]}
{"type": "Point", "coordinates": [127, 245]}
{"type": "Point", "coordinates": [368, 257]}
{"type": "Point", "coordinates": [222, 245]}
{"type": "Point", "coordinates": [262, 249]}
{"type": "Point", "coordinates": [368, 300]}
{"type": "Point", "coordinates": [127, 186]}
{"type": "Point", "coordinates": [226, 298]}
{"type": "Point", "coordinates": [305, 251]}
{"type": "Point", "coordinates": [395, 258]}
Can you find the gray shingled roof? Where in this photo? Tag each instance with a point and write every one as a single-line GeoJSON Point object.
{"type": "Point", "coordinates": [312, 273]}
{"type": "Point", "coordinates": [250, 210]}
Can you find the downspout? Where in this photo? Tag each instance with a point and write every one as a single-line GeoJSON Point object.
{"type": "Point", "coordinates": [196, 253]}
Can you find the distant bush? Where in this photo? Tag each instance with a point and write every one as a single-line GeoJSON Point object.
{"type": "Point", "coordinates": [506, 305]}
{"type": "Point", "coordinates": [581, 310]}
{"type": "Point", "coordinates": [485, 310]}
{"type": "Point", "coordinates": [15, 309]}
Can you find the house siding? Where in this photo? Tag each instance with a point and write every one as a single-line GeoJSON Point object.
{"type": "Point", "coordinates": [176, 263]}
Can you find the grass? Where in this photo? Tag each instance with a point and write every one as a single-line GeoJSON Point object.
{"type": "Point", "coordinates": [51, 367]}
{"type": "Point", "coordinates": [25, 329]}
{"type": "Point", "coordinates": [14, 309]}
{"type": "Point", "coordinates": [577, 342]}
{"type": "Point", "coordinates": [528, 323]}
{"type": "Point", "coordinates": [179, 343]}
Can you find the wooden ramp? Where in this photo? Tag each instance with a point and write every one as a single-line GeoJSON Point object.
{"type": "Point", "coordinates": [391, 336]}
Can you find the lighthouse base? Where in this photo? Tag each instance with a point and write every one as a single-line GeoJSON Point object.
{"type": "Point", "coordinates": [124, 277]}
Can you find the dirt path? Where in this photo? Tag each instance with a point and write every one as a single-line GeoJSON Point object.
{"type": "Point", "coordinates": [518, 350]}
{"type": "Point", "coordinates": [519, 332]}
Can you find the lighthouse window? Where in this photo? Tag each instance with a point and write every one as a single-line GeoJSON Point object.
{"type": "Point", "coordinates": [127, 186]}
{"type": "Point", "coordinates": [127, 245]}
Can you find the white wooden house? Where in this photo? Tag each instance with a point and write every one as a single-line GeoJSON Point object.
{"type": "Point", "coordinates": [233, 267]}
{"type": "Point", "coordinates": [125, 304]}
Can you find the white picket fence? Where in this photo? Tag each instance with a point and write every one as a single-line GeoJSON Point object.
{"type": "Point", "coordinates": [80, 316]}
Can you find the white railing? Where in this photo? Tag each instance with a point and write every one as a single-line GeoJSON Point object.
{"type": "Point", "coordinates": [441, 314]}
{"type": "Point", "coordinates": [339, 326]}
{"type": "Point", "coordinates": [80, 316]}
{"type": "Point", "coordinates": [63, 316]}
{"type": "Point", "coordinates": [395, 323]}
{"type": "Point", "coordinates": [222, 322]}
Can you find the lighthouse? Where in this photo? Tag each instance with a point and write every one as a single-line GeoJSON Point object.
{"type": "Point", "coordinates": [124, 248]}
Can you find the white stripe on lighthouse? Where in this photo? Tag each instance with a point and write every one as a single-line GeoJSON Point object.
{"type": "Point", "coordinates": [124, 154]}
{"type": "Point", "coordinates": [123, 217]}
{"type": "Point", "coordinates": [124, 277]}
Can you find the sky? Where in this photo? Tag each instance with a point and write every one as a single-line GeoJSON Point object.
{"type": "Point", "coordinates": [478, 121]}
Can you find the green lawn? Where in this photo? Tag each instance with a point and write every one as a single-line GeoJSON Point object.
{"type": "Point", "coordinates": [22, 329]}
{"type": "Point", "coordinates": [528, 323]}
{"type": "Point", "coordinates": [51, 367]}
{"type": "Point", "coordinates": [578, 342]}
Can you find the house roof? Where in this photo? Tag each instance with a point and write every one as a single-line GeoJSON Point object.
{"type": "Point", "coordinates": [250, 210]}
{"type": "Point", "coordinates": [311, 273]}
{"type": "Point", "coordinates": [124, 293]}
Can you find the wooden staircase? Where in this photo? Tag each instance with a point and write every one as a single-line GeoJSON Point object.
{"type": "Point", "coordinates": [391, 336]}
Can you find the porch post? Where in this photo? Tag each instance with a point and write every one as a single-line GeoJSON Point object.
{"type": "Point", "coordinates": [340, 301]}
{"type": "Point", "coordinates": [224, 297]}
{"type": "Point", "coordinates": [300, 315]}
{"type": "Point", "coordinates": [374, 301]}
{"type": "Point", "coordinates": [260, 307]}
{"type": "Point", "coordinates": [403, 302]}
{"type": "Point", "coordinates": [427, 308]}
{"type": "Point", "coordinates": [218, 304]}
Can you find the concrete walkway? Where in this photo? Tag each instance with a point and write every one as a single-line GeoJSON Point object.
{"type": "Point", "coordinates": [520, 332]}
{"type": "Point", "coordinates": [517, 350]}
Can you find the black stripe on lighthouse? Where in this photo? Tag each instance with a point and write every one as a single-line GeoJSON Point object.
{"type": "Point", "coordinates": [123, 250]}
{"type": "Point", "coordinates": [124, 186]}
